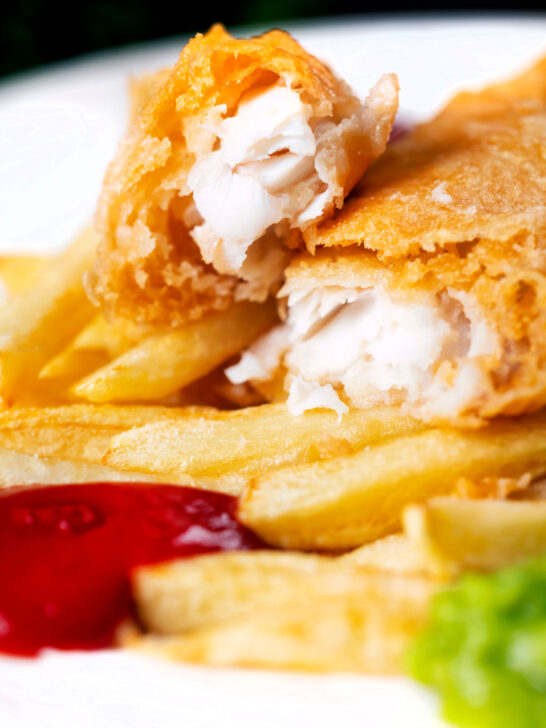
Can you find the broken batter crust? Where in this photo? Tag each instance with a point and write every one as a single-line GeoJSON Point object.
{"type": "Point", "coordinates": [198, 210]}
{"type": "Point", "coordinates": [477, 170]}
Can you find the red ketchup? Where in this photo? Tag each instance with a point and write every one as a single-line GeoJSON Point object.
{"type": "Point", "coordinates": [67, 551]}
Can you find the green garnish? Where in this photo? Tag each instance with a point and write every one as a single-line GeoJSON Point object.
{"type": "Point", "coordinates": [484, 649]}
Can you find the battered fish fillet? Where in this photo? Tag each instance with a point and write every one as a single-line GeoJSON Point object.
{"type": "Point", "coordinates": [448, 321]}
{"type": "Point", "coordinates": [476, 170]}
{"type": "Point", "coordinates": [245, 144]}
{"type": "Point", "coordinates": [142, 88]}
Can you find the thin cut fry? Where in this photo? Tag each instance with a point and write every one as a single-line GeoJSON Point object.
{"type": "Point", "coordinates": [79, 432]}
{"type": "Point", "coordinates": [94, 347]}
{"type": "Point", "coordinates": [37, 324]}
{"type": "Point", "coordinates": [335, 619]}
{"type": "Point", "coordinates": [461, 534]}
{"type": "Point", "coordinates": [19, 272]}
{"type": "Point", "coordinates": [349, 501]}
{"type": "Point", "coordinates": [394, 554]}
{"type": "Point", "coordinates": [188, 593]}
{"type": "Point", "coordinates": [252, 440]}
{"type": "Point", "coordinates": [21, 469]}
{"type": "Point", "coordinates": [163, 364]}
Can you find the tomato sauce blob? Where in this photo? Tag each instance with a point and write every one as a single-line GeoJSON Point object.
{"type": "Point", "coordinates": [67, 551]}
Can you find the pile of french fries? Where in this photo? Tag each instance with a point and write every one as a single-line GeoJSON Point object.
{"type": "Point", "coordinates": [370, 514]}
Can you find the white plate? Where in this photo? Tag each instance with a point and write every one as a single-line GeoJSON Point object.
{"type": "Point", "coordinates": [58, 129]}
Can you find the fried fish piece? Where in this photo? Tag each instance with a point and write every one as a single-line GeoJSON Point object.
{"type": "Point", "coordinates": [243, 146]}
{"type": "Point", "coordinates": [439, 304]}
{"type": "Point", "coordinates": [477, 170]}
{"type": "Point", "coordinates": [142, 88]}
{"type": "Point", "coordinates": [459, 336]}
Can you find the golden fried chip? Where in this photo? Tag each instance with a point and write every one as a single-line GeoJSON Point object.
{"type": "Point", "coordinates": [161, 364]}
{"type": "Point", "coordinates": [81, 431]}
{"type": "Point", "coordinates": [19, 272]}
{"type": "Point", "coordinates": [308, 617]}
{"type": "Point", "coordinates": [18, 469]}
{"type": "Point", "coordinates": [36, 324]}
{"type": "Point", "coordinates": [394, 554]}
{"type": "Point", "coordinates": [488, 534]}
{"type": "Point", "coordinates": [251, 441]}
{"type": "Point", "coordinates": [352, 500]}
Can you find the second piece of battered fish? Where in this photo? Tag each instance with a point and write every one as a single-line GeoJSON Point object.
{"type": "Point", "coordinates": [475, 170]}
{"type": "Point", "coordinates": [439, 303]}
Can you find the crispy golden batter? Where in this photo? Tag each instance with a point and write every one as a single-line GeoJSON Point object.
{"type": "Point", "coordinates": [148, 267]}
{"type": "Point", "coordinates": [142, 88]}
{"type": "Point", "coordinates": [506, 279]}
{"type": "Point", "coordinates": [477, 170]}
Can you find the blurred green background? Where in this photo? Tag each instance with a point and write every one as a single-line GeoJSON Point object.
{"type": "Point", "coordinates": [33, 32]}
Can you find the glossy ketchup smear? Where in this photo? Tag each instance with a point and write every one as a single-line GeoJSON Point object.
{"type": "Point", "coordinates": [67, 551]}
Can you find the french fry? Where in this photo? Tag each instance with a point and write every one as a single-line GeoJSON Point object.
{"type": "Point", "coordinates": [394, 554]}
{"type": "Point", "coordinates": [188, 593]}
{"type": "Point", "coordinates": [18, 468]}
{"type": "Point", "coordinates": [39, 394]}
{"type": "Point", "coordinates": [19, 272]}
{"type": "Point", "coordinates": [81, 431]}
{"type": "Point", "coordinates": [310, 616]}
{"type": "Point", "coordinates": [253, 440]}
{"type": "Point", "coordinates": [94, 347]}
{"type": "Point", "coordinates": [348, 501]}
{"type": "Point", "coordinates": [163, 364]}
{"type": "Point", "coordinates": [35, 325]}
{"type": "Point", "coordinates": [487, 534]}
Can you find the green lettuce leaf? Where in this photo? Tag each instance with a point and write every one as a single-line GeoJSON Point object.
{"type": "Point", "coordinates": [484, 649]}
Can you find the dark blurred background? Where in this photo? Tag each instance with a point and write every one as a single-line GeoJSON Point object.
{"type": "Point", "coordinates": [33, 32]}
